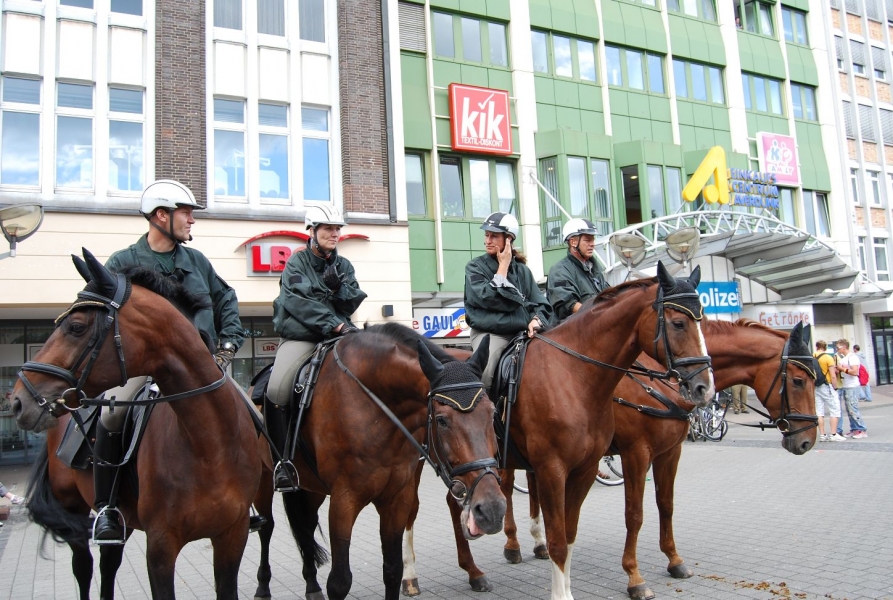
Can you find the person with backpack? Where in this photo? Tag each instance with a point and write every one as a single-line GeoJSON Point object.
{"type": "Point", "coordinates": [863, 374]}
{"type": "Point", "coordinates": [849, 367]}
{"type": "Point", "coordinates": [825, 398]}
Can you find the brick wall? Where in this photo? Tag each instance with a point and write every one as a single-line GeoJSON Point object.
{"type": "Point", "coordinates": [844, 82]}
{"type": "Point", "coordinates": [854, 24]}
{"type": "Point", "coordinates": [878, 217]}
{"type": "Point", "coordinates": [851, 149]}
{"type": "Point", "coordinates": [869, 152]}
{"type": "Point", "coordinates": [888, 155]}
{"type": "Point", "coordinates": [875, 31]}
{"type": "Point", "coordinates": [835, 18]}
{"type": "Point", "coordinates": [863, 87]}
{"type": "Point", "coordinates": [180, 151]}
{"type": "Point", "coordinates": [883, 91]}
{"type": "Point", "coordinates": [364, 150]}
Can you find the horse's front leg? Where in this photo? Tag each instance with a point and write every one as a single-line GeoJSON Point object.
{"type": "Point", "coordinates": [110, 557]}
{"type": "Point", "coordinates": [162, 549]}
{"type": "Point", "coordinates": [664, 475]}
{"type": "Point", "coordinates": [476, 578]}
{"type": "Point", "coordinates": [343, 512]}
{"type": "Point", "coordinates": [393, 518]}
{"type": "Point", "coordinates": [410, 584]}
{"type": "Point", "coordinates": [228, 550]}
{"type": "Point", "coordinates": [536, 523]}
{"type": "Point", "coordinates": [551, 482]}
{"type": "Point", "coordinates": [82, 568]}
{"type": "Point", "coordinates": [512, 548]}
{"type": "Point", "coordinates": [263, 502]}
{"type": "Point", "coordinates": [635, 468]}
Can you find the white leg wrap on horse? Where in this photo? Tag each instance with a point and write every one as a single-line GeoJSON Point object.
{"type": "Point", "coordinates": [537, 532]}
{"type": "Point", "coordinates": [561, 580]}
{"type": "Point", "coordinates": [408, 556]}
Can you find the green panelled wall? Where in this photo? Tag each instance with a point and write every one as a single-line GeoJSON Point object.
{"type": "Point", "coordinates": [760, 55]}
{"type": "Point", "coordinates": [811, 154]}
{"type": "Point", "coordinates": [801, 65]}
{"type": "Point", "coordinates": [696, 40]}
{"type": "Point", "coordinates": [417, 120]}
{"type": "Point", "coordinates": [702, 125]}
{"type": "Point", "coordinates": [565, 104]}
{"type": "Point", "coordinates": [576, 17]}
{"type": "Point", "coordinates": [496, 9]}
{"type": "Point", "coordinates": [639, 116]}
{"type": "Point", "coordinates": [633, 25]}
{"type": "Point", "coordinates": [798, 4]}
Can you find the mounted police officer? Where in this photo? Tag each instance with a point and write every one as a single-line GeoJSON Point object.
{"type": "Point", "coordinates": [576, 277]}
{"type": "Point", "coordinates": [501, 295]}
{"type": "Point", "coordinates": [318, 291]}
{"type": "Point", "coordinates": [168, 206]}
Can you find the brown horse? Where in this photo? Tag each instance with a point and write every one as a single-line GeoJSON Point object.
{"type": "Point", "coordinates": [650, 433]}
{"type": "Point", "coordinates": [563, 419]}
{"type": "Point", "coordinates": [200, 462]}
{"type": "Point", "coordinates": [356, 453]}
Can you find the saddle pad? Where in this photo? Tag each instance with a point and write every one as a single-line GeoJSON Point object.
{"type": "Point", "coordinates": [73, 450]}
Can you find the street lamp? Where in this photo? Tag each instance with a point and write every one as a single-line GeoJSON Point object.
{"type": "Point", "coordinates": [18, 222]}
{"type": "Point", "coordinates": [683, 244]}
{"type": "Point", "coordinates": [630, 249]}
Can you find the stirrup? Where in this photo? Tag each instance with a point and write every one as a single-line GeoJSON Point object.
{"type": "Point", "coordinates": [115, 541]}
{"type": "Point", "coordinates": [285, 468]}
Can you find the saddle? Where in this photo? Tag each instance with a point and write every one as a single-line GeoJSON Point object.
{"type": "Point", "coordinates": [504, 389]}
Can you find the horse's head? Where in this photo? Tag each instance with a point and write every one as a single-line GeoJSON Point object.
{"type": "Point", "coordinates": [791, 398]}
{"type": "Point", "coordinates": [462, 440]}
{"type": "Point", "coordinates": [676, 339]}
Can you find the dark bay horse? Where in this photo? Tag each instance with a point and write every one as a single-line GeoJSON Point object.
{"type": "Point", "coordinates": [563, 420]}
{"type": "Point", "coordinates": [779, 369]}
{"type": "Point", "coordinates": [355, 454]}
{"type": "Point", "coordinates": [200, 463]}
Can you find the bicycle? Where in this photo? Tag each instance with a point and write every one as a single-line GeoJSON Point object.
{"type": "Point", "coordinates": [710, 423]}
{"type": "Point", "coordinates": [610, 473]}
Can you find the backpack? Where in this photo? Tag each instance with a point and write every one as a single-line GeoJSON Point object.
{"type": "Point", "coordinates": [820, 378]}
{"type": "Point", "coordinates": [863, 375]}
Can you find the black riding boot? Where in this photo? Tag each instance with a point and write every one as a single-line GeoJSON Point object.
{"type": "Point", "coordinates": [106, 529]}
{"type": "Point", "coordinates": [285, 476]}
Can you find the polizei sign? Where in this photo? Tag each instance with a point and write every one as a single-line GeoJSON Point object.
{"type": "Point", "coordinates": [480, 119]}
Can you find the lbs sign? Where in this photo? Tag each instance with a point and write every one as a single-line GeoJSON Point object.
{"type": "Point", "coordinates": [719, 297]}
{"type": "Point", "coordinates": [479, 119]}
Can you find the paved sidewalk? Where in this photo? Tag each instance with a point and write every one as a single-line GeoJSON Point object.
{"type": "Point", "coordinates": [752, 520]}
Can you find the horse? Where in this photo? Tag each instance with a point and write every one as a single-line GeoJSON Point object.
{"type": "Point", "coordinates": [649, 432]}
{"type": "Point", "coordinates": [200, 462]}
{"type": "Point", "coordinates": [562, 421]}
{"type": "Point", "coordinates": [361, 445]}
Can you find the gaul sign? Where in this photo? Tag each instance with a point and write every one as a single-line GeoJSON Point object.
{"type": "Point", "coordinates": [480, 119]}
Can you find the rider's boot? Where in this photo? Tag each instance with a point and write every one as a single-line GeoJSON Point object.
{"type": "Point", "coordinates": [285, 475]}
{"type": "Point", "coordinates": [106, 528]}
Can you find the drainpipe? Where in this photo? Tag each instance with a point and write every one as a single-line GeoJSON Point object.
{"type": "Point", "coordinates": [435, 153]}
{"type": "Point", "coordinates": [389, 110]}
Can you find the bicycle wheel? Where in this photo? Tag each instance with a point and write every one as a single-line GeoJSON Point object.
{"type": "Point", "coordinates": [715, 425]}
{"type": "Point", "coordinates": [610, 471]}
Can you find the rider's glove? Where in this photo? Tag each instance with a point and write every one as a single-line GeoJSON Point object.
{"type": "Point", "coordinates": [332, 278]}
{"type": "Point", "coordinates": [348, 328]}
{"type": "Point", "coordinates": [224, 357]}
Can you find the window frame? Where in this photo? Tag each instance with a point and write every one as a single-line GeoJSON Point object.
{"type": "Point", "coordinates": [314, 134]}
{"type": "Point", "coordinates": [128, 117]}
{"type": "Point", "coordinates": [678, 7]}
{"type": "Point", "coordinates": [740, 9]}
{"type": "Point", "coordinates": [551, 64]}
{"type": "Point", "coordinates": [421, 157]}
{"type": "Point", "coordinates": [458, 40]}
{"type": "Point", "coordinates": [623, 52]}
{"type": "Point", "coordinates": [686, 66]}
{"type": "Point", "coordinates": [793, 14]}
{"type": "Point", "coordinates": [465, 180]}
{"type": "Point", "coordinates": [803, 92]}
{"type": "Point", "coordinates": [278, 131]}
{"type": "Point", "coordinates": [31, 109]}
{"type": "Point", "coordinates": [875, 194]}
{"type": "Point", "coordinates": [751, 95]}
{"type": "Point", "coordinates": [229, 126]}
{"type": "Point", "coordinates": [880, 249]}
{"type": "Point", "coordinates": [77, 113]}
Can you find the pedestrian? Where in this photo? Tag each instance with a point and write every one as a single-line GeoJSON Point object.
{"type": "Point", "coordinates": [866, 389]}
{"type": "Point", "coordinates": [849, 367]}
{"type": "Point", "coordinates": [5, 493]}
{"type": "Point", "coordinates": [825, 397]}
{"type": "Point", "coordinates": [739, 398]}
{"type": "Point", "coordinates": [577, 277]}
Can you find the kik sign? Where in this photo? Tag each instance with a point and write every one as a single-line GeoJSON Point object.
{"type": "Point", "coordinates": [480, 119]}
{"type": "Point", "coordinates": [441, 322]}
{"type": "Point", "coordinates": [719, 297]}
{"type": "Point", "coordinates": [778, 155]}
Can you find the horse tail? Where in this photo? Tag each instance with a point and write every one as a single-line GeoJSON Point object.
{"type": "Point", "coordinates": [45, 510]}
{"type": "Point", "coordinates": [304, 521]}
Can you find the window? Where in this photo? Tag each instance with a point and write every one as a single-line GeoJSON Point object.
{"type": "Point", "coordinates": [794, 22]}
{"type": "Point", "coordinates": [20, 127]}
{"type": "Point", "coordinates": [635, 70]}
{"type": "Point", "coordinates": [786, 203]}
{"type": "Point", "coordinates": [854, 185]}
{"type": "Point", "coordinates": [579, 196]}
{"type": "Point", "coordinates": [312, 19]}
{"type": "Point", "coordinates": [228, 14]}
{"type": "Point", "coordinates": [273, 144]}
{"type": "Point", "coordinates": [74, 136]}
{"type": "Point", "coordinates": [854, 7]}
{"type": "Point", "coordinates": [551, 214]}
{"type": "Point", "coordinates": [857, 53]}
{"type": "Point", "coordinates": [315, 132]}
{"type": "Point", "coordinates": [815, 207]}
{"type": "Point", "coordinates": [674, 189]}
{"type": "Point", "coordinates": [451, 187]}
{"type": "Point", "coordinates": [415, 186]}
{"type": "Point", "coordinates": [849, 120]}
{"type": "Point", "coordinates": [882, 271]}
{"type": "Point", "coordinates": [887, 126]}
{"type": "Point", "coordinates": [478, 41]}
{"type": "Point", "coordinates": [702, 9]}
{"type": "Point", "coordinates": [570, 57]}
{"type": "Point", "coordinates": [879, 63]}
{"type": "Point", "coordinates": [271, 17]}
{"type": "Point", "coordinates": [866, 123]}
{"type": "Point", "coordinates": [874, 187]}
{"type": "Point", "coordinates": [489, 184]}
{"type": "Point", "coordinates": [656, 191]}
{"type": "Point", "coordinates": [77, 3]}
{"type": "Point", "coordinates": [602, 214]}
{"type": "Point", "coordinates": [841, 53]}
{"type": "Point", "coordinates": [762, 94]}
{"type": "Point", "coordinates": [862, 249]}
{"type": "Point", "coordinates": [698, 82]}
{"type": "Point", "coordinates": [229, 148]}
{"type": "Point", "coordinates": [413, 32]}
{"type": "Point", "coordinates": [872, 10]}
{"type": "Point", "coordinates": [126, 140]}
{"type": "Point", "coordinates": [127, 7]}
{"type": "Point", "coordinates": [803, 99]}
{"type": "Point", "coordinates": [479, 172]}
{"type": "Point", "coordinates": [754, 16]}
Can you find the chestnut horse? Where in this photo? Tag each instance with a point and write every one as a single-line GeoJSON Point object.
{"type": "Point", "coordinates": [562, 422]}
{"type": "Point", "coordinates": [355, 452]}
{"type": "Point", "coordinates": [199, 465]}
{"type": "Point", "coordinates": [647, 432]}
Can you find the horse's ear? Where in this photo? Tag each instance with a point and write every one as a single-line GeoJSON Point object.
{"type": "Point", "coordinates": [431, 367]}
{"type": "Point", "coordinates": [797, 335]}
{"type": "Point", "coordinates": [807, 335]}
{"type": "Point", "coordinates": [663, 276]}
{"type": "Point", "coordinates": [480, 357]}
{"type": "Point", "coordinates": [107, 282]}
{"type": "Point", "coordinates": [82, 267]}
{"type": "Point", "coordinates": [695, 277]}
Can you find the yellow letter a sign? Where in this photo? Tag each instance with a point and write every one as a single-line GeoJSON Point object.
{"type": "Point", "coordinates": [713, 164]}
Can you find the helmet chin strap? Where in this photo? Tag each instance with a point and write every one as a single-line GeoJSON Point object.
{"type": "Point", "coordinates": [169, 234]}
{"type": "Point", "coordinates": [314, 245]}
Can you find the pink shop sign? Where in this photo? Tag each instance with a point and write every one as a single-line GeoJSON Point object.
{"type": "Point", "coordinates": [778, 154]}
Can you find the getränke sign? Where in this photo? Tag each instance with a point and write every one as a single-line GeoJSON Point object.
{"type": "Point", "coordinates": [480, 119]}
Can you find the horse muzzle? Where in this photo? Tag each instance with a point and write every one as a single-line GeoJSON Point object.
{"type": "Point", "coordinates": [30, 416]}
{"type": "Point", "coordinates": [484, 516]}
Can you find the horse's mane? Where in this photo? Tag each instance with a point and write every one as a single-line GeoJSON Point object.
{"type": "Point", "coordinates": [185, 301]}
{"type": "Point", "coordinates": [613, 292]}
{"type": "Point", "coordinates": [729, 326]}
{"type": "Point", "coordinates": [407, 337]}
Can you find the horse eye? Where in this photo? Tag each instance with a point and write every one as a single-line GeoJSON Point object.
{"type": "Point", "coordinates": [77, 328]}
{"type": "Point", "coordinates": [798, 381]}
{"type": "Point", "coordinates": [679, 325]}
{"type": "Point", "coordinates": [441, 421]}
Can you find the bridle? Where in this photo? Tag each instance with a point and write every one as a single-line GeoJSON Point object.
{"type": "Point", "coordinates": [433, 447]}
{"type": "Point", "coordinates": [783, 422]}
{"type": "Point", "coordinates": [100, 333]}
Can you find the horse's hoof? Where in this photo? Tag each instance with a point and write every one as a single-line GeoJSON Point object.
{"type": "Point", "coordinates": [680, 571]}
{"type": "Point", "coordinates": [541, 552]}
{"type": "Point", "coordinates": [482, 584]}
{"type": "Point", "coordinates": [410, 587]}
{"type": "Point", "coordinates": [262, 595]}
{"type": "Point", "coordinates": [513, 556]}
{"type": "Point", "coordinates": [640, 592]}
{"type": "Point", "coordinates": [316, 596]}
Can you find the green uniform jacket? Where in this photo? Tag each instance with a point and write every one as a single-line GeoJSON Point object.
{"type": "Point", "coordinates": [306, 309]}
{"type": "Point", "coordinates": [507, 308]}
{"type": "Point", "coordinates": [220, 323]}
{"type": "Point", "coordinates": [571, 281]}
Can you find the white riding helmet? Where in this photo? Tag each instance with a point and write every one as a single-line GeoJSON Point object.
{"type": "Point", "coordinates": [166, 193]}
{"type": "Point", "coordinates": [576, 227]}
{"type": "Point", "coordinates": [502, 223]}
{"type": "Point", "coordinates": [323, 215]}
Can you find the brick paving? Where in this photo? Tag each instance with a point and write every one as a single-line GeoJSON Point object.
{"type": "Point", "coordinates": [752, 520]}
